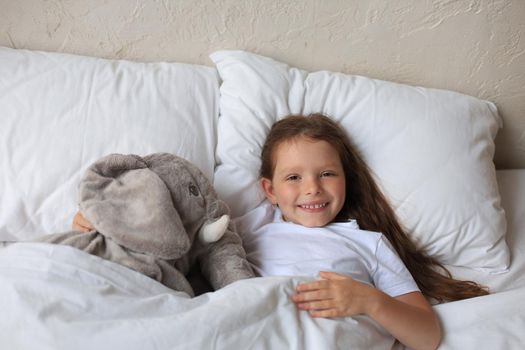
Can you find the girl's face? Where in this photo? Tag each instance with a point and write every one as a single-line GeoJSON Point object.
{"type": "Point", "coordinates": [308, 182]}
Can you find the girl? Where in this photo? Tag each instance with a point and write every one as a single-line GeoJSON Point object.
{"type": "Point", "coordinates": [324, 198]}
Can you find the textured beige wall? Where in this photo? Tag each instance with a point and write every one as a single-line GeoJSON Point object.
{"type": "Point", "coordinates": [471, 46]}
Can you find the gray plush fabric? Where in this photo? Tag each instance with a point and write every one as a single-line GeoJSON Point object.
{"type": "Point", "coordinates": [147, 212]}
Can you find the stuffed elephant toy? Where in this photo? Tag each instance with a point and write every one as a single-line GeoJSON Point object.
{"type": "Point", "coordinates": [158, 215]}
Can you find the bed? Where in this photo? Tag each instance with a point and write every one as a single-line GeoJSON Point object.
{"type": "Point", "coordinates": [62, 112]}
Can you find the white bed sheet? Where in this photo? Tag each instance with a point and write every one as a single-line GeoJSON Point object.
{"type": "Point", "coordinates": [512, 189]}
{"type": "Point", "coordinates": [496, 321]}
{"type": "Point", "coordinates": [56, 297]}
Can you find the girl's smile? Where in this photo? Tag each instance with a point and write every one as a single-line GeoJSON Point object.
{"type": "Point", "coordinates": [313, 207]}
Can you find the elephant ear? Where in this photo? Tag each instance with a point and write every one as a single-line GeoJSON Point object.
{"type": "Point", "coordinates": [127, 202]}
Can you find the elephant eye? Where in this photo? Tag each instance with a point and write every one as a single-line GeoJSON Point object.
{"type": "Point", "coordinates": [193, 190]}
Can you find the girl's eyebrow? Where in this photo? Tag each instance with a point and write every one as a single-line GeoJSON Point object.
{"type": "Point", "coordinates": [333, 165]}
{"type": "Point", "coordinates": [287, 171]}
{"type": "Point", "coordinates": [297, 169]}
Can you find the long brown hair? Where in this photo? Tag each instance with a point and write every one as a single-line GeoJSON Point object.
{"type": "Point", "coordinates": [365, 203]}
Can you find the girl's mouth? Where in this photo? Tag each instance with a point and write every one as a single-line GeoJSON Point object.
{"type": "Point", "coordinates": [313, 206]}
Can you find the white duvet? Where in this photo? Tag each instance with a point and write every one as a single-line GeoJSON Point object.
{"type": "Point", "coordinates": [495, 322]}
{"type": "Point", "coordinates": [57, 297]}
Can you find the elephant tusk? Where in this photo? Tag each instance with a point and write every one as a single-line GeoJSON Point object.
{"type": "Point", "coordinates": [210, 233]}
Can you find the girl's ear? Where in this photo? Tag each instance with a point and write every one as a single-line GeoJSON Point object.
{"type": "Point", "coordinates": [267, 187]}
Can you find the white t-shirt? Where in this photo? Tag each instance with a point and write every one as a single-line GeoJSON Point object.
{"type": "Point", "coordinates": [278, 248]}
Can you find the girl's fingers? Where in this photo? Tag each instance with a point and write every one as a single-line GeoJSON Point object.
{"type": "Point", "coordinates": [331, 275]}
{"type": "Point", "coordinates": [316, 305]}
{"type": "Point", "coordinates": [325, 313]}
{"type": "Point", "coordinates": [77, 227]}
{"type": "Point", "coordinates": [311, 296]}
{"type": "Point", "coordinates": [309, 286]}
{"type": "Point", "coordinates": [81, 224]}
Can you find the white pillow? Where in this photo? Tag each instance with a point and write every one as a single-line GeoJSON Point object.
{"type": "Point", "coordinates": [60, 112]}
{"type": "Point", "coordinates": [431, 150]}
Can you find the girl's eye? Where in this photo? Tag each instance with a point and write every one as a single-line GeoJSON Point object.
{"type": "Point", "coordinates": [292, 178]}
{"type": "Point", "coordinates": [327, 173]}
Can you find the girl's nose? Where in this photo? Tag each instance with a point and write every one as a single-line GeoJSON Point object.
{"type": "Point", "coordinates": [312, 186]}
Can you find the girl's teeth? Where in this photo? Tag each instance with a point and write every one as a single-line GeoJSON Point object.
{"type": "Point", "coordinates": [315, 206]}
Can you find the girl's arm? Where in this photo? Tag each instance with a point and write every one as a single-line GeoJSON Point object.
{"type": "Point", "coordinates": [409, 317]}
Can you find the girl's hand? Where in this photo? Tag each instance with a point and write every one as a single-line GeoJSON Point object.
{"type": "Point", "coordinates": [81, 224]}
{"type": "Point", "coordinates": [334, 296]}
{"type": "Point", "coordinates": [408, 317]}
